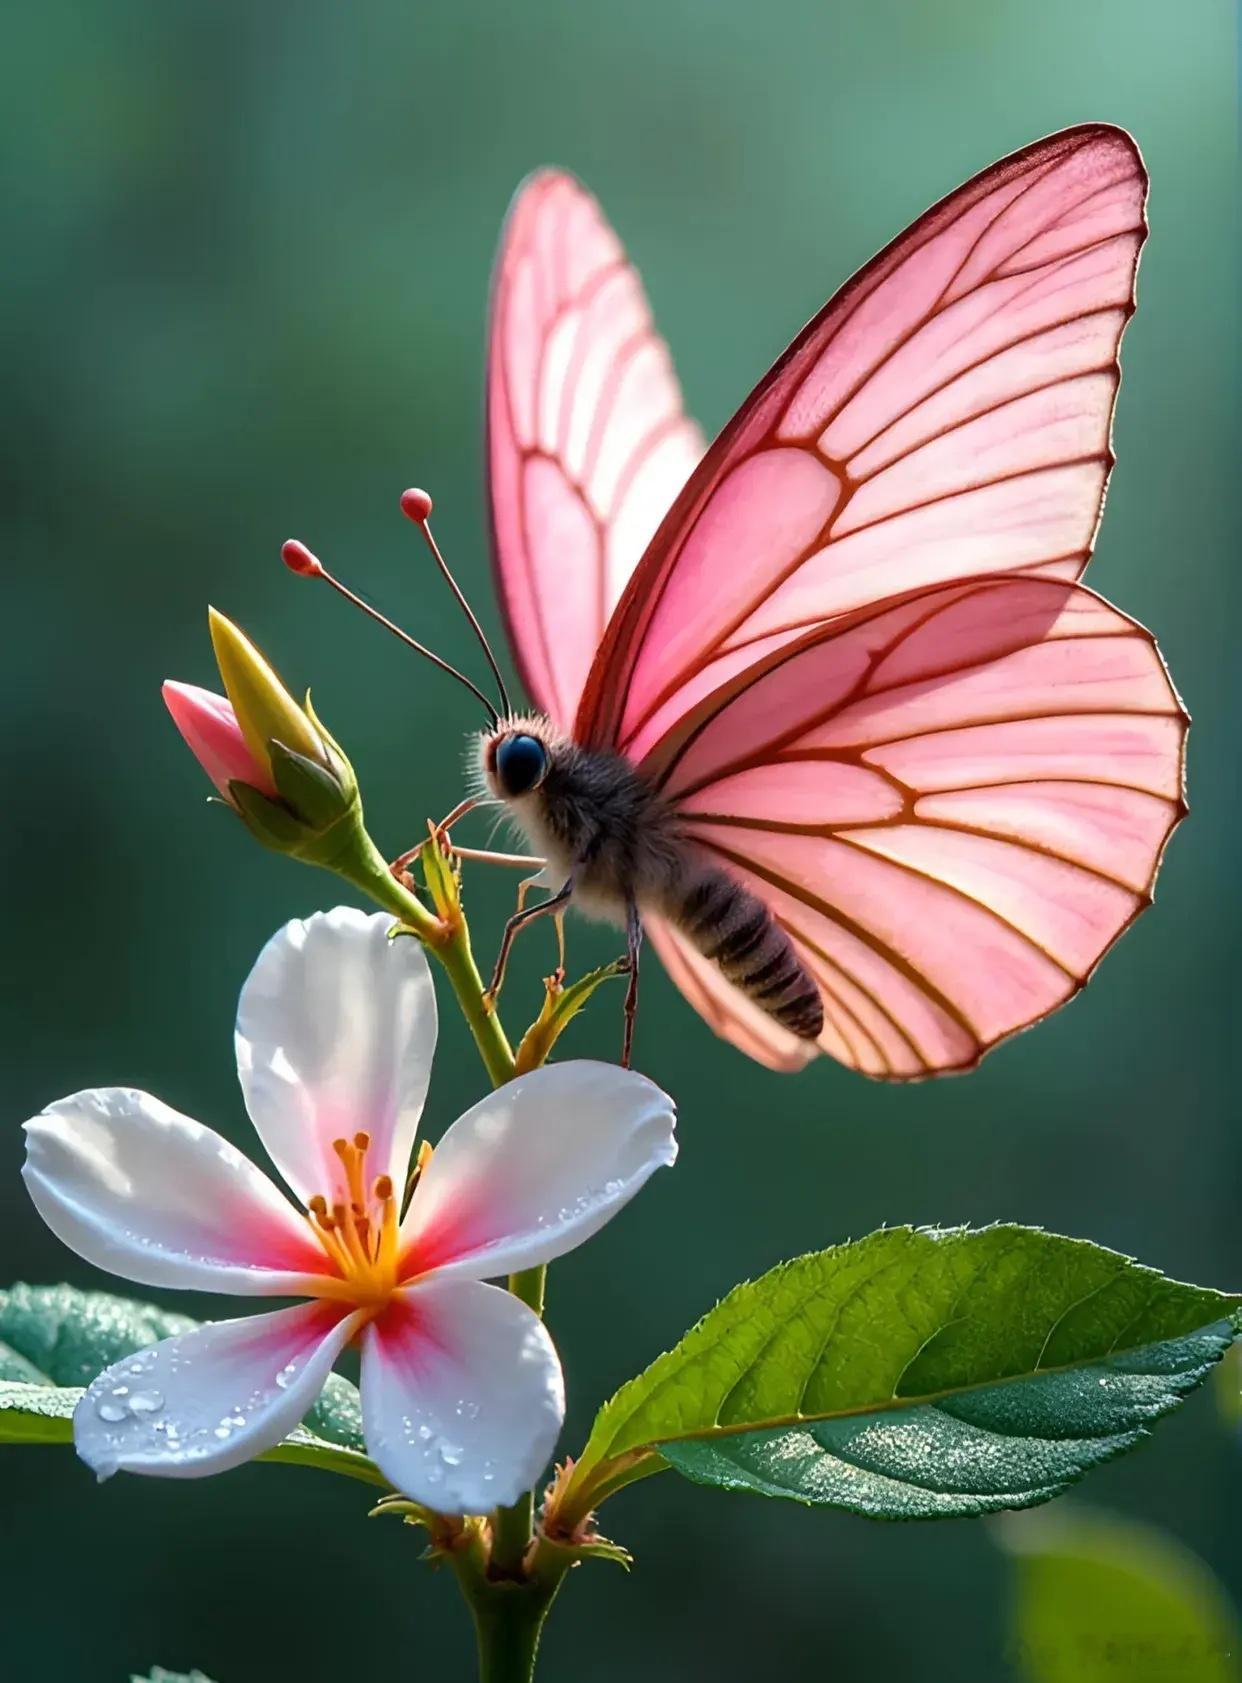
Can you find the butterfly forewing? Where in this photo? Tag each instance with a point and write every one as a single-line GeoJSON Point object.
{"type": "Point", "coordinates": [587, 441]}
{"type": "Point", "coordinates": [946, 414]}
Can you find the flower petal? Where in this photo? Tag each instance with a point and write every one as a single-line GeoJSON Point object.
{"type": "Point", "coordinates": [212, 1398]}
{"type": "Point", "coordinates": [142, 1191]}
{"type": "Point", "coordinates": [535, 1168]}
{"type": "Point", "coordinates": [336, 1027]}
{"type": "Point", "coordinates": [462, 1395]}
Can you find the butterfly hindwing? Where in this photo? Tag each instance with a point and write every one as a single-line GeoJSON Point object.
{"type": "Point", "coordinates": [954, 805]}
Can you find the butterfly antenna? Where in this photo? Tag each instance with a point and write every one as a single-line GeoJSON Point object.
{"type": "Point", "coordinates": [299, 559]}
{"type": "Point", "coordinates": [416, 506]}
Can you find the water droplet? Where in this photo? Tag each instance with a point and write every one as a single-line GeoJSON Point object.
{"type": "Point", "coordinates": [425, 1433]}
{"type": "Point", "coordinates": [223, 1430]}
{"type": "Point", "coordinates": [146, 1402]}
{"type": "Point", "coordinates": [612, 1187]}
{"type": "Point", "coordinates": [287, 1375]}
{"type": "Point", "coordinates": [110, 1411]}
{"type": "Point", "coordinates": [120, 1390]}
{"type": "Point", "coordinates": [451, 1454]}
{"type": "Point", "coordinates": [467, 1410]}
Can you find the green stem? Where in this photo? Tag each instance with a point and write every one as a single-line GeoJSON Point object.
{"type": "Point", "coordinates": [372, 876]}
{"type": "Point", "coordinates": [508, 1622]}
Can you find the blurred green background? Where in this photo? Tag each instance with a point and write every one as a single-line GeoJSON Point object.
{"type": "Point", "coordinates": [247, 261]}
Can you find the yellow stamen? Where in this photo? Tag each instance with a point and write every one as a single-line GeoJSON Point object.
{"type": "Point", "coordinates": [359, 1231]}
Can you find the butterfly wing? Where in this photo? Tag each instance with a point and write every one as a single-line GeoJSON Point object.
{"type": "Point", "coordinates": [946, 414]}
{"type": "Point", "coordinates": [587, 441]}
{"type": "Point", "coordinates": [954, 804]}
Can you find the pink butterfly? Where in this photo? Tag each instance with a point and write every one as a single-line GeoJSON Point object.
{"type": "Point", "coordinates": [844, 646]}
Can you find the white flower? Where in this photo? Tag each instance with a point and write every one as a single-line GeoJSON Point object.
{"type": "Point", "coordinates": [462, 1393]}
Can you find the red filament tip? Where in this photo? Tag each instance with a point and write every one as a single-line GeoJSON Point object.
{"type": "Point", "coordinates": [299, 559]}
{"type": "Point", "coordinates": [416, 506]}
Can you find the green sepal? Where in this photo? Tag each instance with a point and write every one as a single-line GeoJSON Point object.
{"type": "Point", "coordinates": [442, 876]}
{"type": "Point", "coordinates": [338, 760]}
{"type": "Point", "coordinates": [566, 1554]}
{"type": "Point", "coordinates": [560, 1006]}
{"type": "Point", "coordinates": [267, 820]}
{"type": "Point", "coordinates": [313, 792]}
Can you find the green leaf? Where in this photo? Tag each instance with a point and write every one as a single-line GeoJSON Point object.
{"type": "Point", "coordinates": [915, 1374]}
{"type": "Point", "coordinates": [44, 1414]}
{"type": "Point", "coordinates": [69, 1336]}
{"type": "Point", "coordinates": [1099, 1599]}
{"type": "Point", "coordinates": [337, 1416]}
{"type": "Point", "coordinates": [159, 1675]}
{"type": "Point", "coordinates": [37, 1413]}
{"type": "Point", "coordinates": [15, 1366]}
{"type": "Point", "coordinates": [55, 1339]}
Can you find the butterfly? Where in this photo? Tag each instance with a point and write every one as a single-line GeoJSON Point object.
{"type": "Point", "coordinates": [821, 709]}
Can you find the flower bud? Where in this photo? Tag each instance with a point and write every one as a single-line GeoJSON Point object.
{"type": "Point", "coordinates": [265, 710]}
{"type": "Point", "coordinates": [270, 758]}
{"type": "Point", "coordinates": [213, 735]}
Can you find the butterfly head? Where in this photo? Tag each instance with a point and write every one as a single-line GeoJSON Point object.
{"type": "Point", "coordinates": [516, 757]}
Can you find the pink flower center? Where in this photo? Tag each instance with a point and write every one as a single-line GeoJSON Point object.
{"type": "Point", "coordinates": [360, 1233]}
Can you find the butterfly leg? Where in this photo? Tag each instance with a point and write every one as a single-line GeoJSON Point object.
{"type": "Point", "coordinates": [403, 861]}
{"type": "Point", "coordinates": [551, 907]}
{"type": "Point", "coordinates": [633, 942]}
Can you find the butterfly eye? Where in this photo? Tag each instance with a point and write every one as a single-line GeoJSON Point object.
{"type": "Point", "coordinates": [521, 762]}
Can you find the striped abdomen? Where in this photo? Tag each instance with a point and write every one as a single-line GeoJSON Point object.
{"type": "Point", "coordinates": [728, 925]}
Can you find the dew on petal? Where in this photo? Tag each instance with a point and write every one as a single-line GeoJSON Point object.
{"type": "Point", "coordinates": [111, 1411]}
{"type": "Point", "coordinates": [146, 1402]}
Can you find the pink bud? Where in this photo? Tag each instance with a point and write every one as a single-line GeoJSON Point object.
{"type": "Point", "coordinates": [416, 506]}
{"type": "Point", "coordinates": [209, 726]}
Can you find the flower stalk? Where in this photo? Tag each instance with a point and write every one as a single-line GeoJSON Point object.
{"type": "Point", "coordinates": [293, 786]}
{"type": "Point", "coordinates": [447, 937]}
